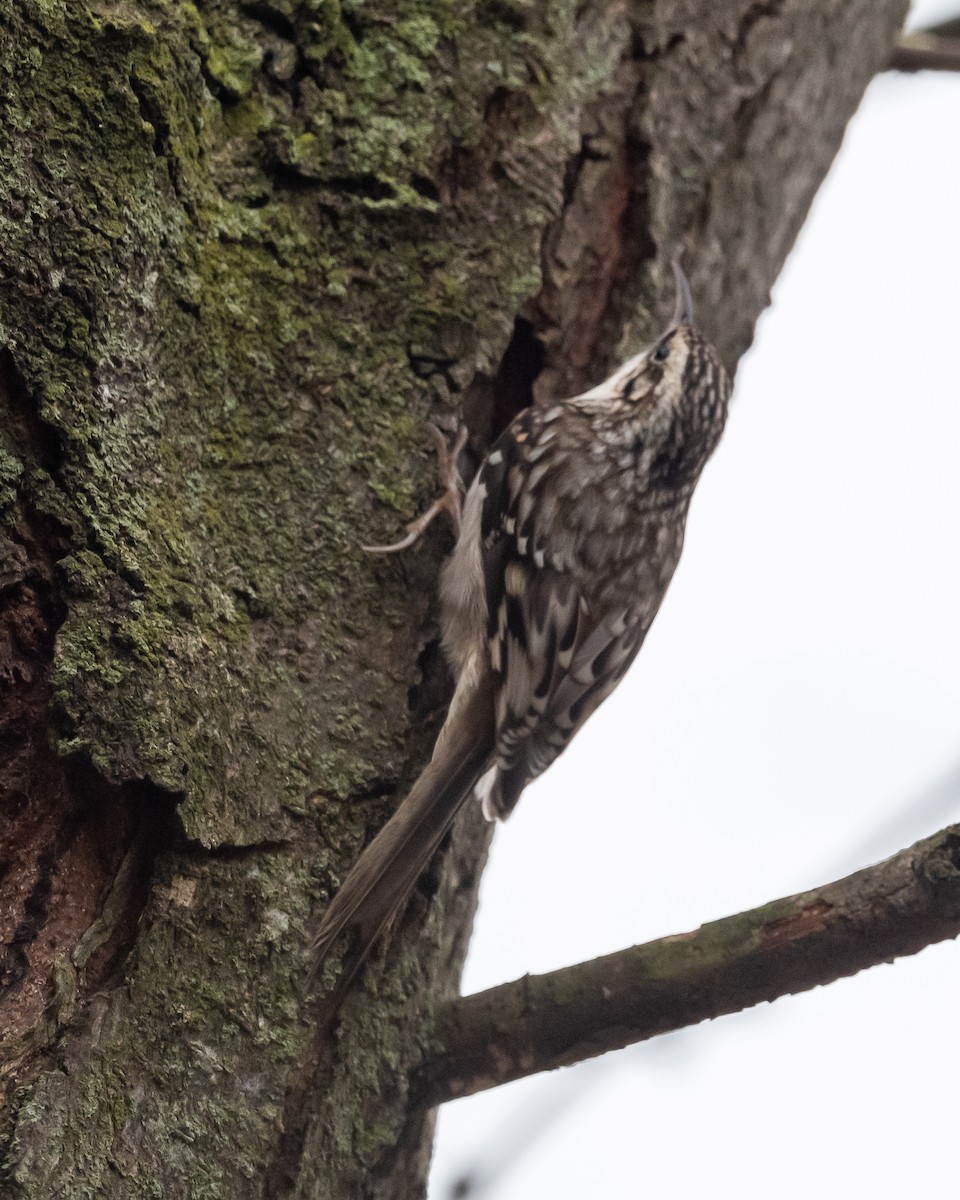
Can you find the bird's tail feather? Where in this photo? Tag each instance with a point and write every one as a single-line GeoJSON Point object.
{"type": "Point", "coordinates": [384, 875]}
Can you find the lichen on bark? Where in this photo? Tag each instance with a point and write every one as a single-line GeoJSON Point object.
{"type": "Point", "coordinates": [248, 250]}
{"type": "Point", "coordinates": [233, 297]}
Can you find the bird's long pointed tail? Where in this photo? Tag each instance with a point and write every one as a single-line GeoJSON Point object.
{"type": "Point", "coordinates": [384, 875]}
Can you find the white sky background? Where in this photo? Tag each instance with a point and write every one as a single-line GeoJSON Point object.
{"type": "Point", "coordinates": [789, 719]}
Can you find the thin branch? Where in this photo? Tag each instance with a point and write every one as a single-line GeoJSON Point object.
{"type": "Point", "coordinates": [945, 29]}
{"type": "Point", "coordinates": [529, 1122]}
{"type": "Point", "coordinates": [927, 50]}
{"type": "Point", "coordinates": [541, 1022]}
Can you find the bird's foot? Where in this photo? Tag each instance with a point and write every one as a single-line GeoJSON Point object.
{"type": "Point", "coordinates": [449, 501]}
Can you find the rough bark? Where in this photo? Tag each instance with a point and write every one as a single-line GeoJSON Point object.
{"type": "Point", "coordinates": [247, 249]}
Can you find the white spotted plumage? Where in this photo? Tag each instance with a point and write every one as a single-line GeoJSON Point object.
{"type": "Point", "coordinates": [572, 529]}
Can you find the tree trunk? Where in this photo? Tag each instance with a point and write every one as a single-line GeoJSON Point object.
{"type": "Point", "coordinates": [247, 251]}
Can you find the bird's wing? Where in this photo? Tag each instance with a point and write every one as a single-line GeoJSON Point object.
{"type": "Point", "coordinates": [554, 658]}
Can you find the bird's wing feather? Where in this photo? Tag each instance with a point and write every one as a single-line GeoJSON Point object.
{"type": "Point", "coordinates": [555, 659]}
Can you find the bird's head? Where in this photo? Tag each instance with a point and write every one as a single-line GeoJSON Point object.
{"type": "Point", "coordinates": [671, 400]}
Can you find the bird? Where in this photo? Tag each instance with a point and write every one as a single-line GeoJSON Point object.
{"type": "Point", "coordinates": [570, 534]}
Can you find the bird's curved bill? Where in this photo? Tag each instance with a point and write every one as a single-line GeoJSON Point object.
{"type": "Point", "coordinates": [683, 309]}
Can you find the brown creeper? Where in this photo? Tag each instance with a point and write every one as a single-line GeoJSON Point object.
{"type": "Point", "coordinates": [571, 532]}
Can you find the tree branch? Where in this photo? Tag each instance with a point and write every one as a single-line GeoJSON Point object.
{"type": "Point", "coordinates": [928, 50]}
{"type": "Point", "coordinates": [541, 1022]}
{"type": "Point", "coordinates": [943, 29]}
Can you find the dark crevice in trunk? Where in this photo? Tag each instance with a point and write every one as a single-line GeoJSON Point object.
{"type": "Point", "coordinates": [76, 851]}
{"type": "Point", "coordinates": [522, 362]}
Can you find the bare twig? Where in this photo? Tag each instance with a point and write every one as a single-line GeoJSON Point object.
{"type": "Point", "coordinates": [927, 50]}
{"type": "Point", "coordinates": [541, 1022]}
{"type": "Point", "coordinates": [947, 29]}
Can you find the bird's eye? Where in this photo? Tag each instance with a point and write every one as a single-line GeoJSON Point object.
{"type": "Point", "coordinates": [661, 352]}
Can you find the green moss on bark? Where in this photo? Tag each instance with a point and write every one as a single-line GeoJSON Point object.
{"type": "Point", "coordinates": [224, 238]}
{"type": "Point", "coordinates": [247, 250]}
{"type": "Point", "coordinates": [224, 353]}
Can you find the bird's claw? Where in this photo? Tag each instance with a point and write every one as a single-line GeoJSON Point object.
{"type": "Point", "coordinates": [449, 501]}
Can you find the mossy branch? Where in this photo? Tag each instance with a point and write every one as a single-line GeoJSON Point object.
{"type": "Point", "coordinates": [541, 1022]}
